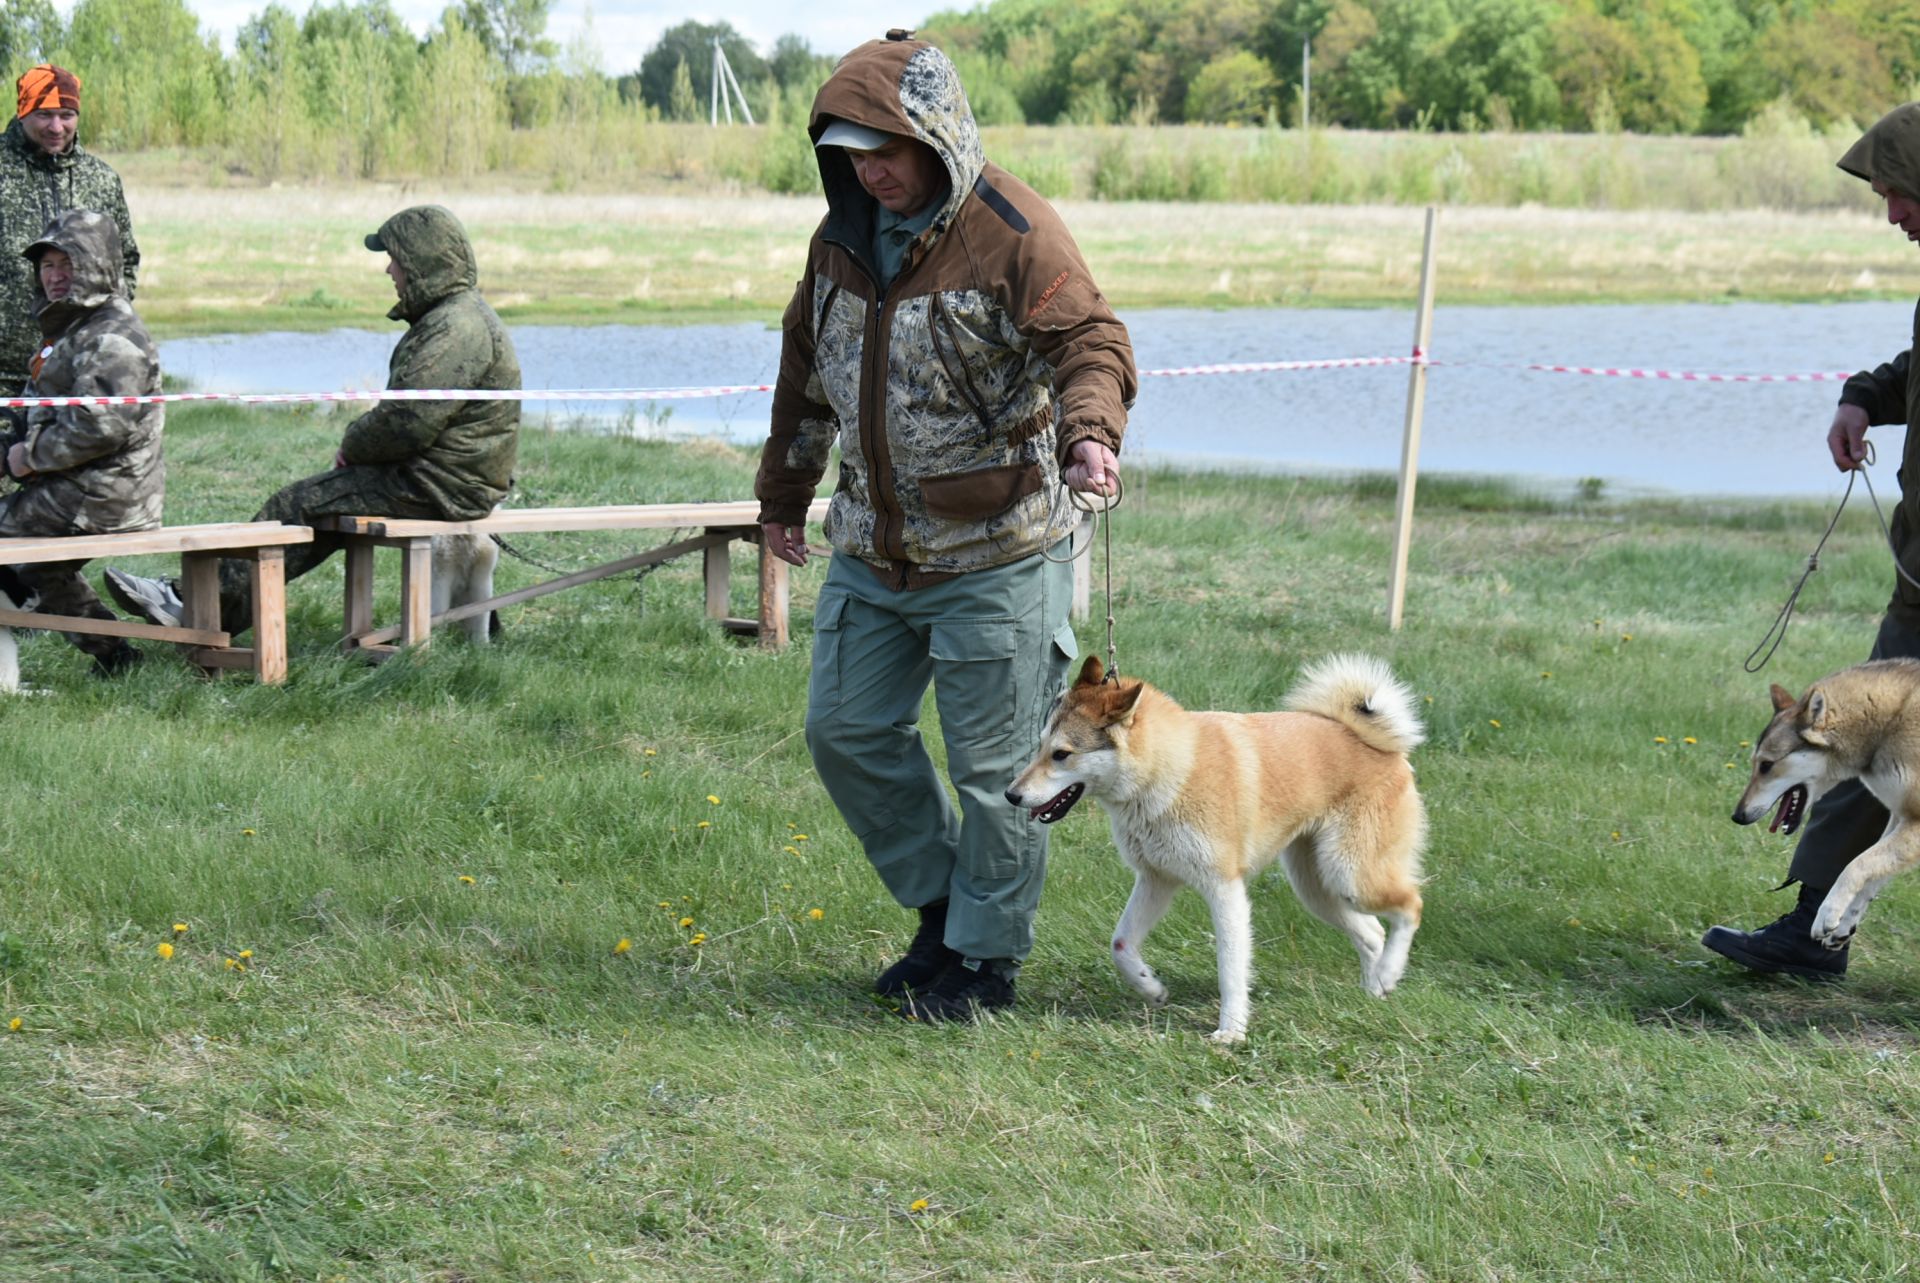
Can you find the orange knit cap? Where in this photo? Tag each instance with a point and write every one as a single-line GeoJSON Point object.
{"type": "Point", "coordinates": [48, 88]}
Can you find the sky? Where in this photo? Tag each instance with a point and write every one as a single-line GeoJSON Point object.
{"type": "Point", "coordinates": [623, 30]}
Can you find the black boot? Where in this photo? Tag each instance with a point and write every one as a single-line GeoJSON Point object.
{"type": "Point", "coordinates": [925, 958]}
{"type": "Point", "coordinates": [963, 991]}
{"type": "Point", "coordinates": [1785, 945]}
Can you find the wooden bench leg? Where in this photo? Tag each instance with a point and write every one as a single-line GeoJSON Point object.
{"type": "Point", "coordinates": [416, 592]}
{"type": "Point", "coordinates": [719, 565]}
{"type": "Point", "coordinates": [269, 615]}
{"type": "Point", "coordinates": [774, 593]}
{"type": "Point", "coordinates": [200, 589]}
{"type": "Point", "coordinates": [359, 604]}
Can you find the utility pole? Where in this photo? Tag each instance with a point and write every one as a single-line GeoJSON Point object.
{"type": "Point", "coordinates": [725, 88]}
{"type": "Point", "coordinates": [1306, 85]}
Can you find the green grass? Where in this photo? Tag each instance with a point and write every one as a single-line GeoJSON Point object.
{"type": "Point", "coordinates": [418, 1076]}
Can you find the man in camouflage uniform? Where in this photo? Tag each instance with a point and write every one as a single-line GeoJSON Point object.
{"type": "Point", "coordinates": [948, 336]}
{"type": "Point", "coordinates": [84, 469]}
{"type": "Point", "coordinates": [44, 171]}
{"type": "Point", "coordinates": [433, 460]}
{"type": "Point", "coordinates": [1848, 819]}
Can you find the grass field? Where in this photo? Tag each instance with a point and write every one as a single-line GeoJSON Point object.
{"type": "Point", "coordinates": [291, 258]}
{"type": "Point", "coordinates": [549, 960]}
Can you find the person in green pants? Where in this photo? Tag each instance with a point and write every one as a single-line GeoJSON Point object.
{"type": "Point", "coordinates": [948, 337]}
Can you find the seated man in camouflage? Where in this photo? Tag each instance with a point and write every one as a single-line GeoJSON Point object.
{"type": "Point", "coordinates": [83, 469]}
{"type": "Point", "coordinates": [432, 460]}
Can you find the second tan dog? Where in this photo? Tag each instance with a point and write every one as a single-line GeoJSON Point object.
{"type": "Point", "coordinates": [1208, 800]}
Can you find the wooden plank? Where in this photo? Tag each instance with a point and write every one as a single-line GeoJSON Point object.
{"type": "Point", "coordinates": [112, 628]}
{"type": "Point", "coordinates": [718, 567]}
{"type": "Point", "coordinates": [270, 616]}
{"type": "Point", "coordinates": [222, 657]}
{"type": "Point", "coordinates": [774, 594]}
{"type": "Point", "coordinates": [416, 593]}
{"type": "Point", "coordinates": [658, 516]}
{"type": "Point", "coordinates": [250, 534]}
{"type": "Point", "coordinates": [666, 552]}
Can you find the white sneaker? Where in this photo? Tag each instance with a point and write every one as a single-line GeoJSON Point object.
{"type": "Point", "coordinates": [155, 600]}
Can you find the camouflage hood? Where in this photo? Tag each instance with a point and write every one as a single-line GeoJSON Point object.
{"type": "Point", "coordinates": [904, 87]}
{"type": "Point", "coordinates": [92, 242]}
{"type": "Point", "coordinates": [432, 248]}
{"type": "Point", "coordinates": [1890, 151]}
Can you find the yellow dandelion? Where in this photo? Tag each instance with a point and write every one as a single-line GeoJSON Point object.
{"type": "Point", "coordinates": [666, 904]}
{"type": "Point", "coordinates": [1573, 922]}
{"type": "Point", "coordinates": [800, 837]}
{"type": "Point", "coordinates": [1626, 637]}
{"type": "Point", "coordinates": [786, 886]}
{"type": "Point", "coordinates": [699, 937]}
{"type": "Point", "coordinates": [704, 824]}
{"type": "Point", "coordinates": [13, 1026]}
{"type": "Point", "coordinates": [1731, 767]}
{"type": "Point", "coordinates": [466, 879]}
{"type": "Point", "coordinates": [1494, 722]}
{"type": "Point", "coordinates": [622, 945]}
{"type": "Point", "coordinates": [1429, 699]}
{"type": "Point", "coordinates": [246, 833]}
{"type": "Point", "coordinates": [792, 825]}
{"type": "Point", "coordinates": [711, 798]}
{"type": "Point", "coordinates": [179, 928]}
{"type": "Point", "coordinates": [1688, 739]}
{"type": "Point", "coordinates": [1708, 1173]}
{"type": "Point", "coordinates": [686, 922]}
{"type": "Point", "coordinates": [816, 914]}
{"type": "Point", "coordinates": [246, 955]}
{"type": "Point", "coordinates": [791, 850]}
{"type": "Point", "coordinates": [651, 752]}
{"type": "Point", "coordinates": [644, 774]}
{"type": "Point", "coordinates": [1745, 744]}
{"type": "Point", "coordinates": [917, 1205]}
{"type": "Point", "coordinates": [232, 963]}
{"type": "Point", "coordinates": [164, 949]}
{"type": "Point", "coordinates": [1828, 1158]}
{"type": "Point", "coordinates": [1659, 739]}
{"type": "Point", "coordinates": [1616, 835]}
{"type": "Point", "coordinates": [1546, 674]}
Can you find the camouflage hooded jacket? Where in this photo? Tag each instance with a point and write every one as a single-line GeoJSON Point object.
{"type": "Point", "coordinates": [35, 188]}
{"type": "Point", "coordinates": [458, 454]}
{"type": "Point", "coordinates": [96, 469]}
{"type": "Point", "coordinates": [1890, 153]}
{"type": "Point", "coordinates": [955, 393]}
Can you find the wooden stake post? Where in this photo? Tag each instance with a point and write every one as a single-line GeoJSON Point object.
{"type": "Point", "coordinates": [1410, 442]}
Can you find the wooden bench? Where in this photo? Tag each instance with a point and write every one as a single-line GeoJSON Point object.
{"type": "Point", "coordinates": [719, 524]}
{"type": "Point", "coordinates": [264, 543]}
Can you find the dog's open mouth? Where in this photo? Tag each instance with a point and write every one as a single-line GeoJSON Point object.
{"type": "Point", "coordinates": [1060, 805]}
{"type": "Point", "coordinates": [1792, 803]}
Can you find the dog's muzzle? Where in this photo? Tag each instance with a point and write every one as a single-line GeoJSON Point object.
{"type": "Point", "coordinates": [1063, 802]}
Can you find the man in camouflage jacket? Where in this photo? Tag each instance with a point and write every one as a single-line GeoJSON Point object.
{"type": "Point", "coordinates": [1848, 819]}
{"type": "Point", "coordinates": [84, 469]}
{"type": "Point", "coordinates": [433, 460]}
{"type": "Point", "coordinates": [948, 337]}
{"type": "Point", "coordinates": [44, 171]}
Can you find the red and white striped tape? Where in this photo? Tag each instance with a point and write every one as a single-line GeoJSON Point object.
{"type": "Point", "coordinates": [736, 389]}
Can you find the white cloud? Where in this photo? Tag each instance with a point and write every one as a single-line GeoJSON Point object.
{"type": "Point", "coordinates": [623, 30]}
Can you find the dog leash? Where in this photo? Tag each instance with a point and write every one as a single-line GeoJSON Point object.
{"type": "Point", "coordinates": [1777, 632]}
{"type": "Point", "coordinates": [1085, 503]}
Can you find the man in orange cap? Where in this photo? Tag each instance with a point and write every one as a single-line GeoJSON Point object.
{"type": "Point", "coordinates": [44, 172]}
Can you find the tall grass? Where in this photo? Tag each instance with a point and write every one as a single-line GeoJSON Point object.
{"type": "Point", "coordinates": [438, 1063]}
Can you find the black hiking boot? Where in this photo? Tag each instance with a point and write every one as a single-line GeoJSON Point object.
{"type": "Point", "coordinates": [926, 958]}
{"type": "Point", "coordinates": [964, 990]}
{"type": "Point", "coordinates": [1785, 945]}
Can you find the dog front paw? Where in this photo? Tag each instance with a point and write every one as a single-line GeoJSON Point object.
{"type": "Point", "coordinates": [1835, 924]}
{"type": "Point", "coordinates": [1225, 1037]}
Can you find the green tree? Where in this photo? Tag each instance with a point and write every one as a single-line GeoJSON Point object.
{"type": "Point", "coordinates": [513, 31]}
{"type": "Point", "coordinates": [361, 66]}
{"type": "Point", "coordinates": [691, 43]}
{"type": "Point", "coordinates": [462, 111]}
{"type": "Point", "coordinates": [152, 78]}
{"type": "Point", "coordinates": [271, 127]}
{"type": "Point", "coordinates": [1234, 89]}
{"type": "Point", "coordinates": [1826, 69]}
{"type": "Point", "coordinates": [30, 30]}
{"type": "Point", "coordinates": [681, 104]}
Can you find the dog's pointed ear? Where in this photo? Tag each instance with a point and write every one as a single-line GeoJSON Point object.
{"type": "Point", "coordinates": [1782, 698]}
{"type": "Point", "coordinates": [1118, 705]}
{"type": "Point", "coordinates": [1815, 718]}
{"type": "Point", "coordinates": [1092, 673]}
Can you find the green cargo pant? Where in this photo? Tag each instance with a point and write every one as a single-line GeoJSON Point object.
{"type": "Point", "coordinates": [996, 645]}
{"type": "Point", "coordinates": [341, 492]}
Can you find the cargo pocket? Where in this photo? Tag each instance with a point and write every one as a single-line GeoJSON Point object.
{"type": "Point", "coordinates": [974, 684]}
{"type": "Point", "coordinates": [823, 686]}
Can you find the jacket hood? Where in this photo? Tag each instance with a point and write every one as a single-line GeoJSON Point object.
{"type": "Point", "coordinates": [1890, 151]}
{"type": "Point", "coordinates": [92, 241]}
{"type": "Point", "coordinates": [432, 248]}
{"type": "Point", "coordinates": [899, 86]}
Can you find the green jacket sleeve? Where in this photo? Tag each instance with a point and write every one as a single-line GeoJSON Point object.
{"type": "Point", "coordinates": [450, 347]}
{"type": "Point", "coordinates": [1881, 392]}
{"type": "Point", "coordinates": [795, 455]}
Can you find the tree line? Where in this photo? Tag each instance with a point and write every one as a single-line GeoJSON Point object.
{"type": "Point", "coordinates": [347, 89]}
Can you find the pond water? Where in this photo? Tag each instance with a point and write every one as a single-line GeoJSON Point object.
{"type": "Point", "coordinates": [1552, 429]}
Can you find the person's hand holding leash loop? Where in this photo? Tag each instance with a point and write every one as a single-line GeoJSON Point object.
{"type": "Point", "coordinates": [1847, 438]}
{"type": "Point", "coordinates": [1092, 468]}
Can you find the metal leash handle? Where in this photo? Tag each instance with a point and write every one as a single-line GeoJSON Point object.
{"type": "Point", "coordinates": [1777, 632]}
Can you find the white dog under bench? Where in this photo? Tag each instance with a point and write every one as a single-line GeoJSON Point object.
{"type": "Point", "coordinates": [719, 526]}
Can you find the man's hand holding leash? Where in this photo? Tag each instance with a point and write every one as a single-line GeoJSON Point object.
{"type": "Point", "coordinates": [1847, 438]}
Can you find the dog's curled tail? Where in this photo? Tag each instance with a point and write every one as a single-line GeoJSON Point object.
{"type": "Point", "coordinates": [1361, 692]}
